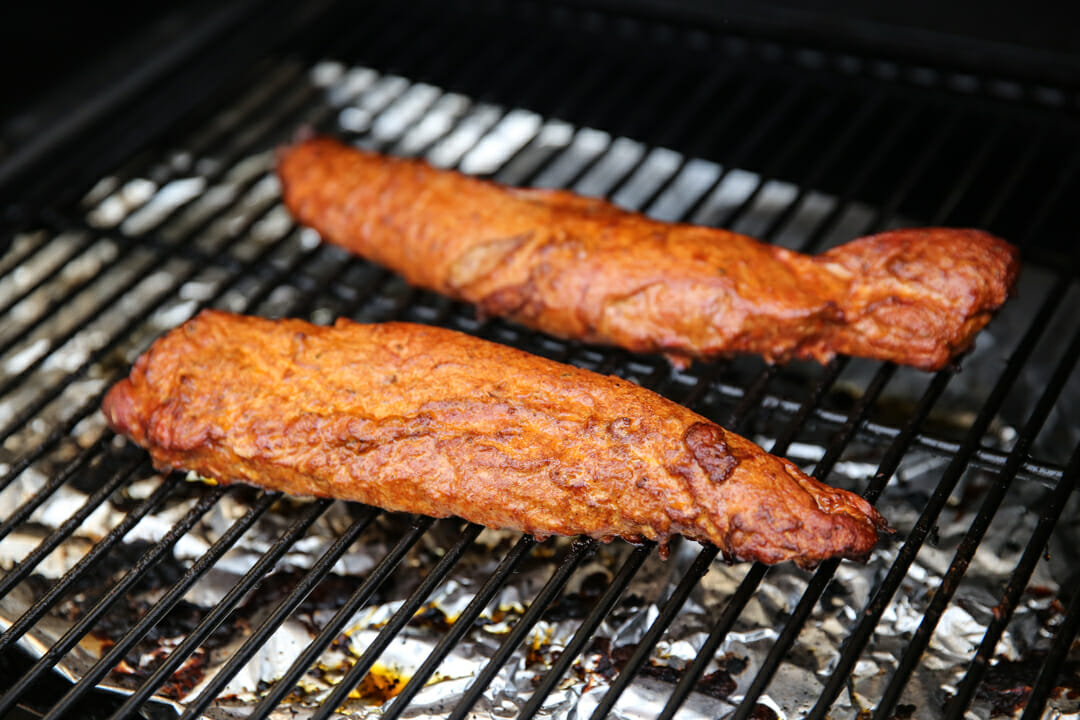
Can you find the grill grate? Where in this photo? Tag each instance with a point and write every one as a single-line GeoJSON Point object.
{"type": "Point", "coordinates": [962, 613]}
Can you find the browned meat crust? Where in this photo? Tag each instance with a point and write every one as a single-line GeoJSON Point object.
{"type": "Point", "coordinates": [584, 269]}
{"type": "Point", "coordinates": [426, 420]}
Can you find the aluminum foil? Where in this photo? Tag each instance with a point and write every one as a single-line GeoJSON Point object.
{"type": "Point", "coordinates": [479, 138]}
{"type": "Point", "coordinates": [794, 689]}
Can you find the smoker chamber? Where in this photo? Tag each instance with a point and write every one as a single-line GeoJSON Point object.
{"type": "Point", "coordinates": [129, 594]}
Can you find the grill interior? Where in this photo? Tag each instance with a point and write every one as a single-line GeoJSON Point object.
{"type": "Point", "coordinates": [128, 593]}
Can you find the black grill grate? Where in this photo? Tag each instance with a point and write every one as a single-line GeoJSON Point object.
{"type": "Point", "coordinates": [800, 148]}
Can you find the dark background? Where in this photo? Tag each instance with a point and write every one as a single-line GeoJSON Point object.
{"type": "Point", "coordinates": [57, 55]}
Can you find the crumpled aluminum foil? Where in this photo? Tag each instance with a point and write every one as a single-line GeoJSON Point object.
{"type": "Point", "coordinates": [794, 689]}
{"type": "Point", "coordinates": [365, 100]}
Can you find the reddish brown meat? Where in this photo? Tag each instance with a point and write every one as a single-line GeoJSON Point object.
{"type": "Point", "coordinates": [582, 268]}
{"type": "Point", "coordinates": [426, 420]}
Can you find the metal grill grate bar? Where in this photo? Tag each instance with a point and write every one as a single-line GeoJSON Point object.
{"type": "Point", "coordinates": [1050, 202]}
{"type": "Point", "coordinates": [16, 254]}
{"type": "Point", "coordinates": [42, 280]}
{"type": "Point", "coordinates": [260, 635]}
{"type": "Point", "coordinates": [279, 114]}
{"type": "Point", "coordinates": [283, 117]}
{"type": "Point", "coordinates": [569, 562]}
{"type": "Point", "coordinates": [499, 71]}
{"type": "Point", "coordinates": [562, 74]}
{"type": "Point", "coordinates": [858, 414]}
{"type": "Point", "coordinates": [257, 105]}
{"type": "Point", "coordinates": [915, 170]}
{"type": "Point", "coordinates": [824, 574]}
{"type": "Point", "coordinates": [28, 412]}
{"type": "Point", "coordinates": [54, 593]}
{"type": "Point", "coordinates": [697, 569]}
{"type": "Point", "coordinates": [116, 653]}
{"type": "Point", "coordinates": [951, 581]}
{"type": "Point", "coordinates": [985, 457]}
{"type": "Point", "coordinates": [459, 63]}
{"type": "Point", "coordinates": [816, 587]}
{"type": "Point", "coordinates": [727, 618]}
{"type": "Point", "coordinates": [397, 622]}
{"type": "Point", "coordinates": [25, 414]}
{"type": "Point", "coordinates": [972, 169]}
{"type": "Point", "coordinates": [666, 616]}
{"type": "Point", "coordinates": [643, 113]}
{"type": "Point", "coordinates": [873, 162]}
{"type": "Point", "coordinates": [678, 124]}
{"type": "Point", "coordinates": [824, 383]}
{"type": "Point", "coordinates": [753, 579]}
{"type": "Point", "coordinates": [91, 617]}
{"type": "Point", "coordinates": [590, 82]}
{"type": "Point", "coordinates": [26, 509]}
{"type": "Point", "coordinates": [585, 631]}
{"type": "Point", "coordinates": [757, 572]}
{"type": "Point", "coordinates": [1055, 659]}
{"type": "Point", "coordinates": [255, 299]}
{"type": "Point", "coordinates": [16, 380]}
{"type": "Point", "coordinates": [215, 617]}
{"type": "Point", "coordinates": [729, 112]}
{"type": "Point", "coordinates": [1018, 582]}
{"type": "Point", "coordinates": [266, 114]}
{"type": "Point", "coordinates": [334, 626]}
{"type": "Point", "coordinates": [50, 543]}
{"type": "Point", "coordinates": [16, 576]}
{"type": "Point", "coordinates": [796, 620]}
{"type": "Point", "coordinates": [750, 143]}
{"type": "Point", "coordinates": [461, 626]}
{"type": "Point", "coordinates": [799, 138]}
{"type": "Point", "coordinates": [829, 159]}
{"type": "Point", "coordinates": [861, 635]}
{"type": "Point", "coordinates": [738, 104]}
{"type": "Point", "coordinates": [1010, 182]}
{"type": "Point", "coordinates": [906, 555]}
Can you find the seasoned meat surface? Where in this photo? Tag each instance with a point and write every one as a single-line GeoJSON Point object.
{"type": "Point", "coordinates": [426, 420]}
{"type": "Point", "coordinates": [584, 269]}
